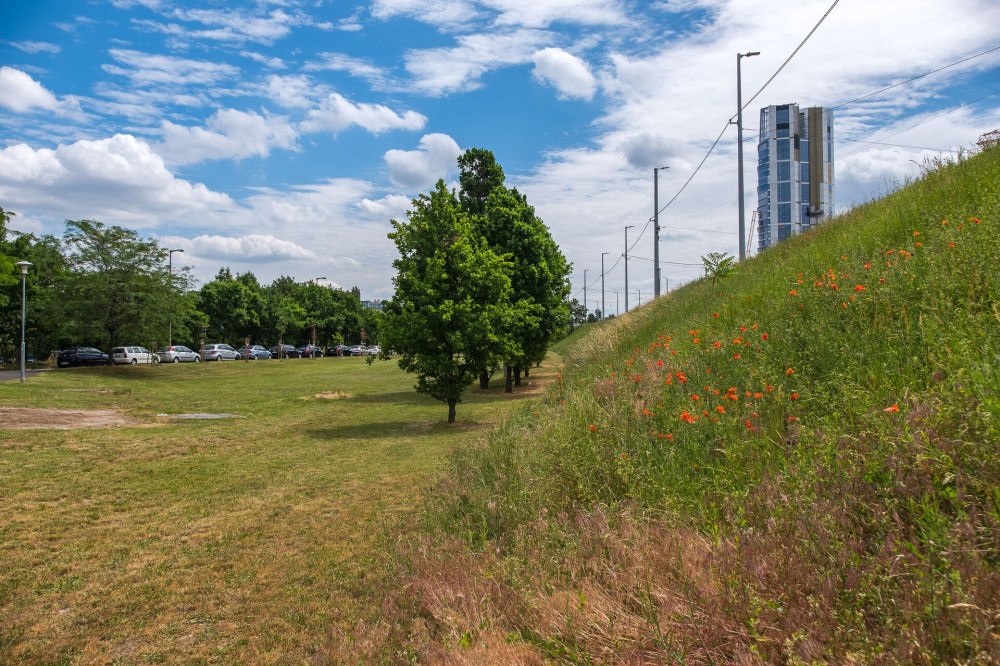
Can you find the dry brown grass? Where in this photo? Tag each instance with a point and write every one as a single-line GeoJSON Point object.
{"type": "Point", "coordinates": [787, 587]}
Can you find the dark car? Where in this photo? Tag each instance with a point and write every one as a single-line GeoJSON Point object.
{"type": "Point", "coordinates": [287, 351]}
{"type": "Point", "coordinates": [340, 350]}
{"type": "Point", "coordinates": [310, 351]}
{"type": "Point", "coordinates": [81, 356]}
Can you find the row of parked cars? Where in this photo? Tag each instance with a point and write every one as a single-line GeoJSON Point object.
{"type": "Point", "coordinates": [78, 356]}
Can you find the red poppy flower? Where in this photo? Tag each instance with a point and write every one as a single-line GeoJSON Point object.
{"type": "Point", "coordinates": [791, 293]}
{"type": "Point", "coordinates": [859, 287]}
{"type": "Point", "coordinates": [720, 409]}
{"type": "Point", "coordinates": [894, 408]}
{"type": "Point", "coordinates": [789, 371]}
{"type": "Point", "coordinates": [868, 265]}
{"type": "Point", "coordinates": [763, 336]}
{"type": "Point", "coordinates": [795, 396]}
{"type": "Point", "coordinates": [593, 428]}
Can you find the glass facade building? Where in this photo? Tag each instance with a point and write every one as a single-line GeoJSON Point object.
{"type": "Point", "coordinates": [794, 171]}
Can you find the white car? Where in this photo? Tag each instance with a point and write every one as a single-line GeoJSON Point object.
{"type": "Point", "coordinates": [133, 355]}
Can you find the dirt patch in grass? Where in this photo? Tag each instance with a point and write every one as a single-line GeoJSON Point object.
{"type": "Point", "coordinates": [328, 395]}
{"type": "Point", "coordinates": [21, 418]}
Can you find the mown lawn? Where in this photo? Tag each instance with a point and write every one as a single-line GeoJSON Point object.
{"type": "Point", "coordinates": [247, 540]}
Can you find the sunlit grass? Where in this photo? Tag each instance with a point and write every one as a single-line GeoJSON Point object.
{"type": "Point", "coordinates": [245, 540]}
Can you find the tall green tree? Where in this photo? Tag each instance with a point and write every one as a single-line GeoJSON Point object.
{"type": "Point", "coordinates": [539, 280]}
{"type": "Point", "coordinates": [119, 290]}
{"type": "Point", "coordinates": [233, 308]}
{"type": "Point", "coordinates": [452, 293]}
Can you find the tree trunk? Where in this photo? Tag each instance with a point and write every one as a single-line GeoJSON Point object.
{"type": "Point", "coordinates": [508, 379]}
{"type": "Point", "coordinates": [484, 379]}
{"type": "Point", "coordinates": [451, 409]}
{"type": "Point", "coordinates": [526, 369]}
{"type": "Point", "coordinates": [517, 376]}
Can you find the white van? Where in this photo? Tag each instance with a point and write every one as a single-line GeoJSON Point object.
{"type": "Point", "coordinates": [133, 355]}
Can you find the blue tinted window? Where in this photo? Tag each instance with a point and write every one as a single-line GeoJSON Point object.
{"type": "Point", "coordinates": [781, 116]}
{"type": "Point", "coordinates": [783, 150]}
{"type": "Point", "coordinates": [784, 232]}
{"type": "Point", "coordinates": [784, 171]}
{"type": "Point", "coordinates": [784, 213]}
{"type": "Point", "coordinates": [784, 192]}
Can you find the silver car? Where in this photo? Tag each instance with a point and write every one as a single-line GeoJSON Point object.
{"type": "Point", "coordinates": [178, 354]}
{"type": "Point", "coordinates": [254, 353]}
{"type": "Point", "coordinates": [220, 352]}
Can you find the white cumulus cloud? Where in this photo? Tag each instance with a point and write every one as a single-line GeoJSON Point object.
{"type": "Point", "coordinates": [230, 134]}
{"type": "Point", "coordinates": [119, 180]}
{"type": "Point", "coordinates": [253, 247]}
{"type": "Point", "coordinates": [337, 113]}
{"type": "Point", "coordinates": [565, 72]}
{"type": "Point", "coordinates": [21, 93]}
{"type": "Point", "coordinates": [421, 168]}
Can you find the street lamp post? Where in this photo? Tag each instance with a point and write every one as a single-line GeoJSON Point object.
{"type": "Point", "coordinates": [585, 306]}
{"type": "Point", "coordinates": [626, 264]}
{"type": "Point", "coordinates": [604, 313]}
{"type": "Point", "coordinates": [739, 148]}
{"type": "Point", "coordinates": [656, 229]}
{"type": "Point", "coordinates": [24, 307]}
{"type": "Point", "coordinates": [170, 272]}
{"type": "Point", "coordinates": [316, 280]}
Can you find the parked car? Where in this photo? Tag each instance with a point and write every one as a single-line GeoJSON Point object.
{"type": "Point", "coordinates": [340, 350]}
{"type": "Point", "coordinates": [81, 356]}
{"type": "Point", "coordinates": [287, 351]}
{"type": "Point", "coordinates": [220, 352]}
{"type": "Point", "coordinates": [178, 354]}
{"type": "Point", "coordinates": [133, 355]}
{"type": "Point", "coordinates": [373, 350]}
{"type": "Point", "coordinates": [253, 352]}
{"type": "Point", "coordinates": [356, 350]}
{"type": "Point", "coordinates": [310, 351]}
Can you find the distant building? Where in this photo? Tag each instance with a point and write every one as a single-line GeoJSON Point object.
{"type": "Point", "coordinates": [794, 171]}
{"type": "Point", "coordinates": [374, 305]}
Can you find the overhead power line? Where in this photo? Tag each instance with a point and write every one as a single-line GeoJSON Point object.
{"type": "Point", "coordinates": [901, 83]}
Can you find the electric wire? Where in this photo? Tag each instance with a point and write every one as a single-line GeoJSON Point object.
{"type": "Point", "coordinates": [901, 83]}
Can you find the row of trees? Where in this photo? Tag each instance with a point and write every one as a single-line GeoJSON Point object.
{"type": "Point", "coordinates": [480, 284]}
{"type": "Point", "coordinates": [104, 286]}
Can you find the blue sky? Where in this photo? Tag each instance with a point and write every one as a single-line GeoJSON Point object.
{"type": "Point", "coordinates": [281, 136]}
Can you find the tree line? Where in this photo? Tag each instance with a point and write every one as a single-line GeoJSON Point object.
{"type": "Point", "coordinates": [104, 286]}
{"type": "Point", "coordinates": [480, 284]}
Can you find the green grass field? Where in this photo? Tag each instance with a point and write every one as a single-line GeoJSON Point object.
{"type": "Point", "coordinates": [247, 540]}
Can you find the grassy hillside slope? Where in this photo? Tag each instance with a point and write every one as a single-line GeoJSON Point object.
{"type": "Point", "coordinates": [797, 464]}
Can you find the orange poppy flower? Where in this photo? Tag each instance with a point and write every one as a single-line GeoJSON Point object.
{"type": "Point", "coordinates": [789, 371]}
{"type": "Point", "coordinates": [720, 409]}
{"type": "Point", "coordinates": [894, 408]}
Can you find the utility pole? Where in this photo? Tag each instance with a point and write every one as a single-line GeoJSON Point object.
{"type": "Point", "coordinates": [656, 229]}
{"type": "Point", "coordinates": [739, 149]}
{"type": "Point", "coordinates": [626, 264]}
{"type": "Point", "coordinates": [640, 296]}
{"type": "Point", "coordinates": [604, 313]}
{"type": "Point", "coordinates": [585, 291]}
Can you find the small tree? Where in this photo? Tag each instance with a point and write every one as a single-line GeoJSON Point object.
{"type": "Point", "coordinates": [718, 266]}
{"type": "Point", "coordinates": [451, 304]}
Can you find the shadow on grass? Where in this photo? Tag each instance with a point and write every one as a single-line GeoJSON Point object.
{"type": "Point", "coordinates": [410, 430]}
